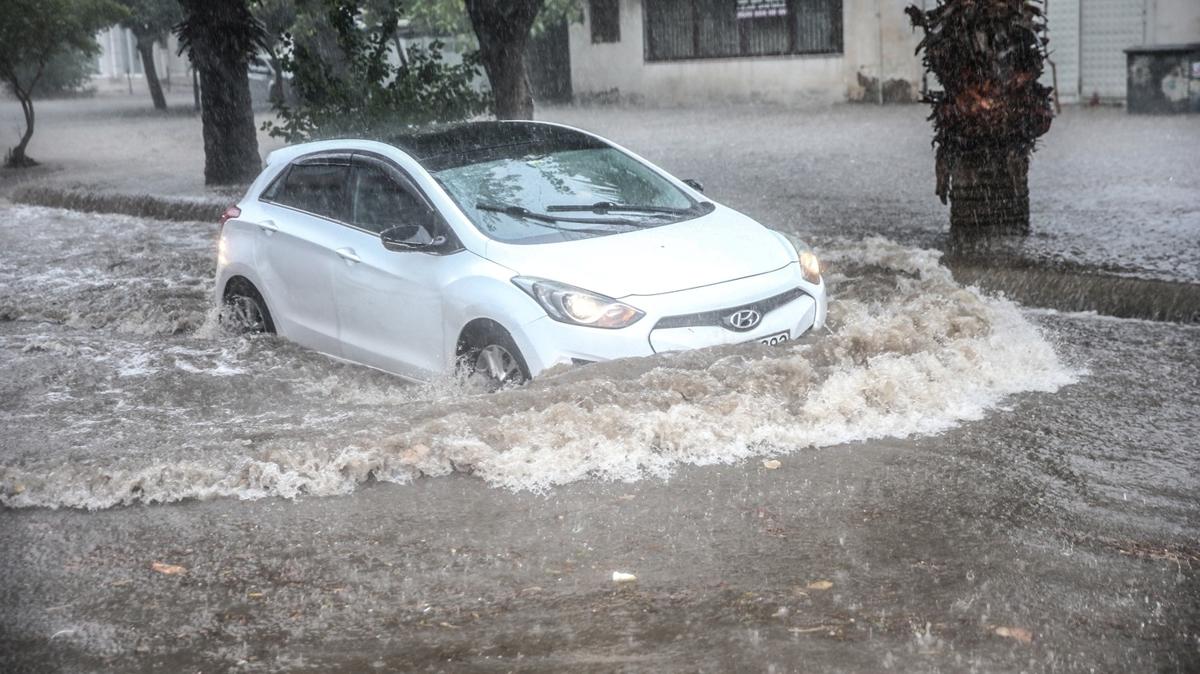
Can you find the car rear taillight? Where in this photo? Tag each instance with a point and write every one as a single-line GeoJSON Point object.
{"type": "Point", "coordinates": [230, 213]}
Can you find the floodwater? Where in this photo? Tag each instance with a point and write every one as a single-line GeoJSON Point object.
{"type": "Point", "coordinates": [963, 485]}
{"type": "Point", "coordinates": [120, 387]}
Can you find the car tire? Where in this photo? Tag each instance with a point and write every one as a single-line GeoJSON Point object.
{"type": "Point", "coordinates": [244, 311]}
{"type": "Point", "coordinates": [489, 357]}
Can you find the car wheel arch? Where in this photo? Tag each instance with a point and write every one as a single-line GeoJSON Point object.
{"type": "Point", "coordinates": [240, 280]}
{"type": "Point", "coordinates": [476, 326]}
{"type": "Point", "coordinates": [238, 284]}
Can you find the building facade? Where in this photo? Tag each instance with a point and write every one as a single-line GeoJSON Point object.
{"type": "Point", "coordinates": [1088, 39]}
{"type": "Point", "coordinates": [678, 51]}
{"type": "Point", "coordinates": [119, 59]}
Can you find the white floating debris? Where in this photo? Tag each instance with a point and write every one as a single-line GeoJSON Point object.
{"type": "Point", "coordinates": [771, 464]}
{"type": "Point", "coordinates": [622, 577]}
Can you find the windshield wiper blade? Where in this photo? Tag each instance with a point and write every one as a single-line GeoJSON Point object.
{"type": "Point", "coordinates": [522, 212]}
{"type": "Point", "coordinates": [609, 206]}
{"type": "Point", "coordinates": [602, 207]}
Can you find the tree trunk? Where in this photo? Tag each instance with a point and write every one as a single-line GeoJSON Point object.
{"type": "Point", "coordinates": [146, 49]}
{"type": "Point", "coordinates": [502, 27]}
{"type": "Point", "coordinates": [195, 88]}
{"type": "Point", "coordinates": [989, 194]}
{"type": "Point", "coordinates": [220, 36]}
{"type": "Point", "coordinates": [511, 94]}
{"type": "Point", "coordinates": [277, 94]}
{"type": "Point", "coordinates": [16, 157]}
{"type": "Point", "coordinates": [230, 141]}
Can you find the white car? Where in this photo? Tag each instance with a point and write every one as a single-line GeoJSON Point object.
{"type": "Point", "coordinates": [503, 248]}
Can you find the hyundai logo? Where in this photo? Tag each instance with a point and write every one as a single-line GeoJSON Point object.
{"type": "Point", "coordinates": [745, 319]}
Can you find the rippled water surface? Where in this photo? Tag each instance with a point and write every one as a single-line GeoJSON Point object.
{"type": "Point", "coordinates": [118, 386]}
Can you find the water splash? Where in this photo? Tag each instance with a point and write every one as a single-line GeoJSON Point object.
{"type": "Point", "coordinates": [106, 403]}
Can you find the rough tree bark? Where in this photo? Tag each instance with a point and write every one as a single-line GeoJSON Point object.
{"type": "Point", "coordinates": [502, 27]}
{"type": "Point", "coordinates": [989, 194]}
{"type": "Point", "coordinates": [221, 36]}
{"type": "Point", "coordinates": [145, 47]}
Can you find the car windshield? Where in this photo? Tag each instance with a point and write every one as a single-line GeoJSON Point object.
{"type": "Point", "coordinates": [535, 195]}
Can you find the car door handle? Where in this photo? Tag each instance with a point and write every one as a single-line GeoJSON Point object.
{"type": "Point", "coordinates": [348, 255]}
{"type": "Point", "coordinates": [268, 226]}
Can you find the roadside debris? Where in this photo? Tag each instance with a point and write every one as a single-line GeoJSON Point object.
{"type": "Point", "coordinates": [1019, 633]}
{"type": "Point", "coordinates": [168, 569]}
{"type": "Point", "coordinates": [622, 577]}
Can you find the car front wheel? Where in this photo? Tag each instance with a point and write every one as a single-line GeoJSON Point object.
{"type": "Point", "coordinates": [489, 357]}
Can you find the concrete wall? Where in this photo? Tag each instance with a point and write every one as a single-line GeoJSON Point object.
{"type": "Point", "coordinates": [1173, 21]}
{"type": "Point", "coordinates": [876, 39]}
{"type": "Point", "coordinates": [1089, 51]}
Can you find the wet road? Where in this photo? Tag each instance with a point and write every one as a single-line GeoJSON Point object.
{"type": "Point", "coordinates": [962, 485]}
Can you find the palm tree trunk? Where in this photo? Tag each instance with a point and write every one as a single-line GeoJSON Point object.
{"type": "Point", "coordinates": [989, 194]}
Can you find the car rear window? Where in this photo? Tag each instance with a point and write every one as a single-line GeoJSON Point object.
{"type": "Point", "coordinates": [316, 188]}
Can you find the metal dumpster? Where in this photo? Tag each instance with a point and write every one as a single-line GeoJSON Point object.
{"type": "Point", "coordinates": [1163, 79]}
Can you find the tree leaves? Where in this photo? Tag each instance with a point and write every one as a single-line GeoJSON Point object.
{"type": "Point", "coordinates": [987, 55]}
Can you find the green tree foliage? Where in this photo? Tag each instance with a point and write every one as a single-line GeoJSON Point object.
{"type": "Point", "coordinates": [449, 17]}
{"type": "Point", "coordinates": [502, 29]}
{"type": "Point", "coordinates": [349, 80]}
{"type": "Point", "coordinates": [150, 21]}
{"type": "Point", "coordinates": [67, 73]}
{"type": "Point", "coordinates": [277, 18]}
{"type": "Point", "coordinates": [32, 34]}
{"type": "Point", "coordinates": [988, 56]}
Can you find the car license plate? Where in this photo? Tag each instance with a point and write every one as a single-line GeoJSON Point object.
{"type": "Point", "coordinates": [772, 340]}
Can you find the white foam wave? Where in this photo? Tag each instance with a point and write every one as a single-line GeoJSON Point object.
{"type": "Point", "coordinates": [908, 351]}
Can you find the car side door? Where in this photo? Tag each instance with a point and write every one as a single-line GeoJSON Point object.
{"type": "Point", "coordinates": [390, 303]}
{"type": "Point", "coordinates": [297, 252]}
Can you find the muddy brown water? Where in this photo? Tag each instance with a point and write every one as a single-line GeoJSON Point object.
{"type": "Point", "coordinates": [962, 485]}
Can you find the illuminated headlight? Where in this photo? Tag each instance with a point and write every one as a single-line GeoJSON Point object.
{"type": "Point", "coordinates": [576, 306]}
{"type": "Point", "coordinates": [809, 264]}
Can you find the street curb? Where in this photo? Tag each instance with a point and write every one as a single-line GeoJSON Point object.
{"type": "Point", "coordinates": [1031, 285]}
{"type": "Point", "coordinates": [203, 209]}
{"type": "Point", "coordinates": [1070, 290]}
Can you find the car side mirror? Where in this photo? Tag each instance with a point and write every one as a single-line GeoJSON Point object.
{"type": "Point", "coordinates": [694, 184]}
{"type": "Point", "coordinates": [404, 238]}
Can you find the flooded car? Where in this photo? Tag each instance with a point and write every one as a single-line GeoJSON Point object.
{"type": "Point", "coordinates": [502, 248]}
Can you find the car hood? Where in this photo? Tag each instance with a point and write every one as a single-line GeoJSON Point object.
{"type": "Point", "coordinates": [720, 246]}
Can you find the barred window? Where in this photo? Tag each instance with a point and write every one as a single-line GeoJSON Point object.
{"type": "Point", "coordinates": [690, 29]}
{"type": "Point", "coordinates": [606, 20]}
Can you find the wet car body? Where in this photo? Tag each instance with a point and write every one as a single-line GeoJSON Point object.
{"type": "Point", "coordinates": [412, 300]}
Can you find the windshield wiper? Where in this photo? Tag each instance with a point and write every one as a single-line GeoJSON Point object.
{"type": "Point", "coordinates": [603, 207]}
{"type": "Point", "coordinates": [545, 218]}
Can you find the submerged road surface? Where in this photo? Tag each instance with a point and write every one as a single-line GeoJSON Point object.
{"type": "Point", "coordinates": [943, 481]}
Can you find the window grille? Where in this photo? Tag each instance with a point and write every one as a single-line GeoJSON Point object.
{"type": "Point", "coordinates": [691, 29]}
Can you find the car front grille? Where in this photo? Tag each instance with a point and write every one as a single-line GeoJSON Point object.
{"type": "Point", "coordinates": [716, 316]}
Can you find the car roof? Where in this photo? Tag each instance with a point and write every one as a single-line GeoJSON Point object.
{"type": "Point", "coordinates": [457, 144]}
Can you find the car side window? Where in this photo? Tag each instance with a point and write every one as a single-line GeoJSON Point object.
{"type": "Point", "coordinates": [319, 188]}
{"type": "Point", "coordinates": [382, 201]}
